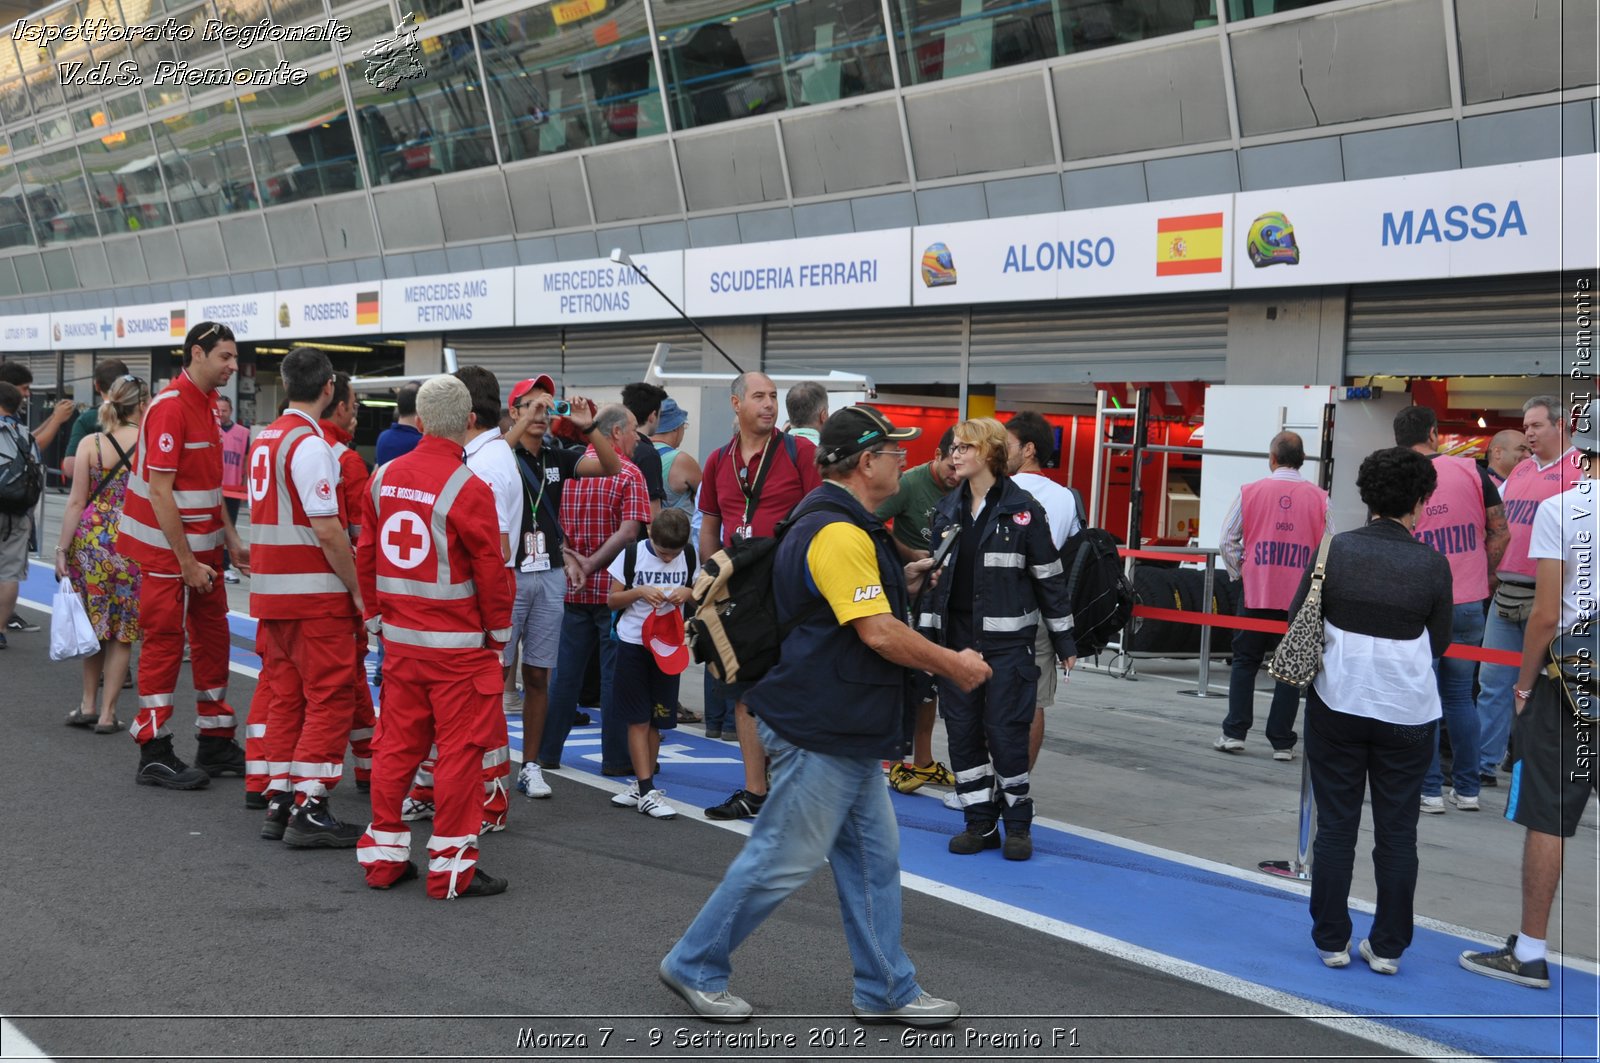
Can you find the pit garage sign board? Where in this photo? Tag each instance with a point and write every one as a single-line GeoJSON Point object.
{"type": "Point", "coordinates": [336, 310]}
{"type": "Point", "coordinates": [1175, 245]}
{"type": "Point", "coordinates": [1530, 217]}
{"type": "Point", "coordinates": [249, 316]}
{"type": "Point", "coordinates": [450, 302]}
{"type": "Point", "coordinates": [854, 271]}
{"type": "Point", "coordinates": [25, 332]}
{"type": "Point", "coordinates": [598, 289]}
{"type": "Point", "coordinates": [151, 325]}
{"type": "Point", "coordinates": [82, 330]}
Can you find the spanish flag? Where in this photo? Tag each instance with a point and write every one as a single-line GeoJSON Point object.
{"type": "Point", "coordinates": [1189, 244]}
{"type": "Point", "coordinates": [177, 324]}
{"type": "Point", "coordinates": [367, 308]}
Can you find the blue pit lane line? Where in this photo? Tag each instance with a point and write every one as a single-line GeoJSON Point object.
{"type": "Point", "coordinates": [1255, 931]}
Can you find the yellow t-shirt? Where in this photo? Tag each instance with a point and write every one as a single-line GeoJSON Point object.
{"type": "Point", "coordinates": [844, 568]}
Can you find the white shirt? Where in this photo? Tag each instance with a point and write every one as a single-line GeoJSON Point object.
{"type": "Point", "coordinates": [314, 472]}
{"type": "Point", "coordinates": [1565, 529]}
{"type": "Point", "coordinates": [648, 569]}
{"type": "Point", "coordinates": [1058, 503]}
{"type": "Point", "coordinates": [491, 460]}
{"type": "Point", "coordinates": [1382, 679]}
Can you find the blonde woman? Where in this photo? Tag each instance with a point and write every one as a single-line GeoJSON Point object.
{"type": "Point", "coordinates": [107, 581]}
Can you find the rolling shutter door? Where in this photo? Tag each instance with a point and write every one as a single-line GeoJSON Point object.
{"type": "Point", "coordinates": [609, 356]}
{"type": "Point", "coordinates": [510, 354]}
{"type": "Point", "coordinates": [892, 348]}
{"type": "Point", "coordinates": [1184, 338]}
{"type": "Point", "coordinates": [1499, 326]}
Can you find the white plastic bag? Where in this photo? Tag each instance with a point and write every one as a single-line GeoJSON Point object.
{"type": "Point", "coordinates": [71, 634]}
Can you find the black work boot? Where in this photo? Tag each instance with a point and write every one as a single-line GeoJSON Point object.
{"type": "Point", "coordinates": [254, 801]}
{"type": "Point", "coordinates": [1019, 841]}
{"type": "Point", "coordinates": [160, 766]}
{"type": "Point", "coordinates": [314, 826]}
{"type": "Point", "coordinates": [979, 835]}
{"type": "Point", "coordinates": [280, 809]}
{"type": "Point", "coordinates": [219, 756]}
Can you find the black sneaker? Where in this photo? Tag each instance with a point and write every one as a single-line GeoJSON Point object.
{"type": "Point", "coordinates": [160, 766]}
{"type": "Point", "coordinates": [742, 804]}
{"type": "Point", "coordinates": [254, 801]}
{"type": "Point", "coordinates": [16, 623]}
{"type": "Point", "coordinates": [407, 873]}
{"type": "Point", "coordinates": [219, 756]}
{"type": "Point", "coordinates": [483, 884]}
{"type": "Point", "coordinates": [314, 826]}
{"type": "Point", "coordinates": [363, 786]}
{"type": "Point", "coordinates": [280, 810]}
{"type": "Point", "coordinates": [1504, 965]}
{"type": "Point", "coordinates": [975, 839]}
{"type": "Point", "coordinates": [1018, 844]}
{"type": "Point", "coordinates": [1485, 779]}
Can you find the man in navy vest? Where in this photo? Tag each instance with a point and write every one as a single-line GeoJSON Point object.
{"type": "Point", "coordinates": [829, 713]}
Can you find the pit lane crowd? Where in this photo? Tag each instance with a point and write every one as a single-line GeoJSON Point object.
{"type": "Point", "coordinates": [493, 554]}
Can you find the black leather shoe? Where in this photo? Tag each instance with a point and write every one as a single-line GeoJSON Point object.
{"type": "Point", "coordinates": [280, 810]}
{"type": "Point", "coordinates": [254, 801]}
{"type": "Point", "coordinates": [407, 874]}
{"type": "Point", "coordinates": [483, 884]}
{"type": "Point", "coordinates": [219, 756]}
{"type": "Point", "coordinates": [314, 826]}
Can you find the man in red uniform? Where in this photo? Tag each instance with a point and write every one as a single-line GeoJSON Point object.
{"type": "Point", "coordinates": [304, 594]}
{"type": "Point", "coordinates": [338, 428]}
{"type": "Point", "coordinates": [434, 582]}
{"type": "Point", "coordinates": [173, 525]}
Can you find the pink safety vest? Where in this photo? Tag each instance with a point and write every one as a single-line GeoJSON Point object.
{"type": "Point", "coordinates": [1453, 522]}
{"type": "Point", "coordinates": [1524, 489]}
{"type": "Point", "coordinates": [1283, 524]}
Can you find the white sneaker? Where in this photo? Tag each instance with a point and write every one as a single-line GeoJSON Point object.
{"type": "Point", "coordinates": [952, 801]}
{"type": "Point", "coordinates": [1433, 806]}
{"type": "Point", "coordinates": [230, 575]}
{"type": "Point", "coordinates": [628, 798]}
{"type": "Point", "coordinates": [530, 781]}
{"type": "Point", "coordinates": [1465, 804]}
{"type": "Point", "coordinates": [489, 827]}
{"type": "Point", "coordinates": [1224, 744]}
{"type": "Point", "coordinates": [1378, 963]}
{"type": "Point", "coordinates": [412, 810]}
{"type": "Point", "coordinates": [654, 804]}
{"type": "Point", "coordinates": [1283, 754]}
{"type": "Point", "coordinates": [1336, 959]}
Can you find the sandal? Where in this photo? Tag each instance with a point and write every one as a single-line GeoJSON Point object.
{"type": "Point", "coordinates": [108, 728]}
{"type": "Point", "coordinates": [82, 719]}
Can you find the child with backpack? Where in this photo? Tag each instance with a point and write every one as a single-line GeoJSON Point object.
{"type": "Point", "coordinates": [650, 582]}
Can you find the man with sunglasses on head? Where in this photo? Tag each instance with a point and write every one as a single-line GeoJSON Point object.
{"type": "Point", "coordinates": [174, 526]}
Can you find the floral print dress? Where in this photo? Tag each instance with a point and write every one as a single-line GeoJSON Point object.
{"type": "Point", "coordinates": [107, 581]}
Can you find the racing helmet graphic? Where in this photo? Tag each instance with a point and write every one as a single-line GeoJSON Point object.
{"type": "Point", "coordinates": [938, 266]}
{"type": "Point", "coordinates": [1271, 241]}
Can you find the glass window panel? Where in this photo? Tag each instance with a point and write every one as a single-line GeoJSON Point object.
{"type": "Point", "coordinates": [730, 60]}
{"type": "Point", "coordinates": [198, 52]}
{"type": "Point", "coordinates": [291, 12]}
{"type": "Point", "coordinates": [58, 197]}
{"type": "Point", "coordinates": [123, 106]}
{"type": "Point", "coordinates": [207, 170]}
{"type": "Point", "coordinates": [56, 127]}
{"type": "Point", "coordinates": [427, 126]}
{"type": "Point", "coordinates": [942, 39]}
{"type": "Point", "coordinates": [1241, 9]}
{"type": "Point", "coordinates": [125, 181]}
{"type": "Point", "coordinates": [559, 79]}
{"type": "Point", "coordinates": [299, 137]}
{"type": "Point", "coordinates": [24, 137]}
{"type": "Point", "coordinates": [13, 101]}
{"type": "Point", "coordinates": [14, 228]}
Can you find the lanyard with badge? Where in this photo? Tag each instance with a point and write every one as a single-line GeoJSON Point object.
{"type": "Point", "coordinates": [751, 487]}
{"type": "Point", "coordinates": [536, 552]}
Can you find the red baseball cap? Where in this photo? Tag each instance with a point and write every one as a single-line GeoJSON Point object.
{"type": "Point", "coordinates": [663, 634]}
{"type": "Point", "coordinates": [542, 382]}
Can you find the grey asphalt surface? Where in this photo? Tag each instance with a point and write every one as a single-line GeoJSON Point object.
{"type": "Point", "coordinates": [141, 923]}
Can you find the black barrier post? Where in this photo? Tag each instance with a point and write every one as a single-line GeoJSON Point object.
{"type": "Point", "coordinates": [1325, 472]}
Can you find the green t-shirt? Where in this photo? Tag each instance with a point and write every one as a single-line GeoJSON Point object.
{"type": "Point", "coordinates": [912, 508]}
{"type": "Point", "coordinates": [86, 425]}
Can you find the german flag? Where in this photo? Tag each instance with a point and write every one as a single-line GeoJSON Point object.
{"type": "Point", "coordinates": [367, 308]}
{"type": "Point", "coordinates": [178, 325]}
{"type": "Point", "coordinates": [1188, 244]}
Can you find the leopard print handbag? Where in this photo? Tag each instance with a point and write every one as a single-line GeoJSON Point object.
{"type": "Point", "coordinates": [1298, 657]}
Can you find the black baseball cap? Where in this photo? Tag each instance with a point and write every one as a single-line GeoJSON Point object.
{"type": "Point", "coordinates": [857, 428]}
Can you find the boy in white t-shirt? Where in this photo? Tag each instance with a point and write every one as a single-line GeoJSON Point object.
{"type": "Point", "coordinates": [644, 685]}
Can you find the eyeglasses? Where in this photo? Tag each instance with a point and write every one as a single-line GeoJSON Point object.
{"type": "Point", "coordinates": [963, 448]}
{"type": "Point", "coordinates": [897, 454]}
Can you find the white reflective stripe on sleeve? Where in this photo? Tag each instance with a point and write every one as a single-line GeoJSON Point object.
{"type": "Point", "coordinates": [1059, 624]}
{"type": "Point", "coordinates": [933, 620]}
{"type": "Point", "coordinates": [155, 701]}
{"type": "Point", "coordinates": [1046, 571]}
{"type": "Point", "coordinates": [255, 730]}
{"type": "Point", "coordinates": [314, 770]}
{"type": "Point", "coordinates": [437, 640]}
{"type": "Point", "coordinates": [213, 722]}
{"type": "Point", "coordinates": [418, 588]}
{"type": "Point", "coordinates": [982, 771]}
{"type": "Point", "coordinates": [1004, 561]}
{"type": "Point", "coordinates": [501, 634]}
{"type": "Point", "coordinates": [1014, 780]}
{"type": "Point", "coordinates": [360, 733]}
{"type": "Point", "coordinates": [213, 694]}
{"type": "Point", "coordinates": [198, 446]}
{"type": "Point", "coordinates": [1011, 623]}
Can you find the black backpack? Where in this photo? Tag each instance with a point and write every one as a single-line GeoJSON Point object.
{"type": "Point", "coordinates": [1097, 586]}
{"type": "Point", "coordinates": [21, 475]}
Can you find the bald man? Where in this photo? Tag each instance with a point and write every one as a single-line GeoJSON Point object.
{"type": "Point", "coordinates": [1506, 451]}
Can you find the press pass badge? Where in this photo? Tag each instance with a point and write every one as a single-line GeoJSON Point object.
{"type": "Point", "coordinates": [743, 532]}
{"type": "Point", "coordinates": [536, 558]}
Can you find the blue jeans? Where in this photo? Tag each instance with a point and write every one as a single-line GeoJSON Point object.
{"type": "Point", "coordinates": [1250, 648]}
{"type": "Point", "coordinates": [582, 626]}
{"type": "Point", "coordinates": [821, 808]}
{"type": "Point", "coordinates": [719, 706]}
{"type": "Point", "coordinates": [1460, 712]}
{"type": "Point", "coordinates": [1494, 690]}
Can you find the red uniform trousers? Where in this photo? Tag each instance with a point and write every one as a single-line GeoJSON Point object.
{"type": "Point", "coordinates": [365, 719]}
{"type": "Point", "coordinates": [256, 769]}
{"type": "Point", "coordinates": [166, 610]}
{"type": "Point", "coordinates": [454, 705]}
{"type": "Point", "coordinates": [496, 770]}
{"type": "Point", "coordinates": [308, 664]}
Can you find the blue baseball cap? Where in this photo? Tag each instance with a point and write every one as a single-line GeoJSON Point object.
{"type": "Point", "coordinates": [672, 417]}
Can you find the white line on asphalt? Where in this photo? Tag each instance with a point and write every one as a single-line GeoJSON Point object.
{"type": "Point", "coordinates": [14, 1044]}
